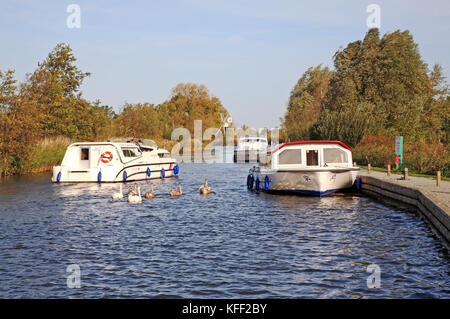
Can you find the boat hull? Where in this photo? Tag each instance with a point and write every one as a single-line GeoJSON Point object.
{"type": "Point", "coordinates": [113, 174]}
{"type": "Point", "coordinates": [317, 182]}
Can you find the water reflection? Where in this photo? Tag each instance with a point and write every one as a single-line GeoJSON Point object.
{"type": "Point", "coordinates": [233, 243]}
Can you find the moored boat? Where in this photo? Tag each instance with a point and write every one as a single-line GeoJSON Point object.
{"type": "Point", "coordinates": [251, 149]}
{"type": "Point", "coordinates": [306, 167]}
{"type": "Point", "coordinates": [114, 162]}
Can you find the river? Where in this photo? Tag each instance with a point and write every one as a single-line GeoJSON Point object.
{"type": "Point", "coordinates": [231, 244]}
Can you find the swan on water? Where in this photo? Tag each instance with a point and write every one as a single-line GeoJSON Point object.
{"type": "Point", "coordinates": [133, 191]}
{"type": "Point", "coordinates": [150, 194]}
{"type": "Point", "coordinates": [135, 199]}
{"type": "Point", "coordinates": [174, 192]}
{"type": "Point", "coordinates": [118, 195]}
{"type": "Point", "coordinates": [205, 189]}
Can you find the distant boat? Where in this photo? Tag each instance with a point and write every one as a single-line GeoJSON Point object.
{"type": "Point", "coordinates": [251, 149]}
{"type": "Point", "coordinates": [306, 167]}
{"type": "Point", "coordinates": [114, 162]}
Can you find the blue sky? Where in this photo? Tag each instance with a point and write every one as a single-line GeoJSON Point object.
{"type": "Point", "coordinates": [248, 53]}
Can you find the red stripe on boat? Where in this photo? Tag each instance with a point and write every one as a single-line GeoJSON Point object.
{"type": "Point", "coordinates": [313, 142]}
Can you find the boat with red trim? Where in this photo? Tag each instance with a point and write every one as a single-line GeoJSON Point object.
{"type": "Point", "coordinates": [306, 167]}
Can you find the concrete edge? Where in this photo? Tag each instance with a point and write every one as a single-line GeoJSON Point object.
{"type": "Point", "coordinates": [436, 213]}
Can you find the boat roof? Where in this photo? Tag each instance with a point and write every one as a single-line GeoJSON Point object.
{"type": "Point", "coordinates": [143, 141]}
{"type": "Point", "coordinates": [103, 143]}
{"type": "Point", "coordinates": [312, 142]}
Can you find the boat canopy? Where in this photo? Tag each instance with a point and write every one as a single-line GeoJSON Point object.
{"type": "Point", "coordinates": [312, 154]}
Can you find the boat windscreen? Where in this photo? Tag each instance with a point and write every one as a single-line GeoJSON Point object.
{"type": "Point", "coordinates": [130, 151]}
{"type": "Point", "coordinates": [334, 155]}
{"type": "Point", "coordinates": [290, 156]}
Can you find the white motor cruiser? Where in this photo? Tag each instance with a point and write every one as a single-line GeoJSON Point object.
{"type": "Point", "coordinates": [114, 162]}
{"type": "Point", "coordinates": [306, 167]}
{"type": "Point", "coordinates": [251, 149]}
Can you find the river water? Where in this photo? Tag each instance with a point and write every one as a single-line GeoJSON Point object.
{"type": "Point", "coordinates": [230, 244]}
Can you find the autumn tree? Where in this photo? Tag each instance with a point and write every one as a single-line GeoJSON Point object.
{"type": "Point", "coordinates": [138, 120]}
{"type": "Point", "coordinates": [189, 102]}
{"type": "Point", "coordinates": [19, 128]}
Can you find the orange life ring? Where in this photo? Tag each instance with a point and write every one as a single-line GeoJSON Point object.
{"type": "Point", "coordinates": [106, 157]}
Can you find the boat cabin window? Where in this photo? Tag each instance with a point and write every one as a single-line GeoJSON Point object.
{"type": "Point", "coordinates": [85, 154]}
{"type": "Point", "coordinates": [334, 155]}
{"type": "Point", "coordinates": [312, 157]}
{"type": "Point", "coordinates": [293, 156]}
{"type": "Point", "coordinates": [130, 152]}
{"type": "Point", "coordinates": [164, 155]}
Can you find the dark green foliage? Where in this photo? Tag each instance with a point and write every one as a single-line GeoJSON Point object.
{"type": "Point", "coordinates": [379, 87]}
{"type": "Point", "coordinates": [305, 102]}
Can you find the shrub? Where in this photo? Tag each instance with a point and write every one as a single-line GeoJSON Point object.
{"type": "Point", "coordinates": [427, 157]}
{"type": "Point", "coordinates": [419, 155]}
{"type": "Point", "coordinates": [378, 150]}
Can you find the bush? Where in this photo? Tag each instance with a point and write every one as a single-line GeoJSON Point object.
{"type": "Point", "coordinates": [420, 156]}
{"type": "Point", "coordinates": [376, 150]}
{"type": "Point", "coordinates": [426, 157]}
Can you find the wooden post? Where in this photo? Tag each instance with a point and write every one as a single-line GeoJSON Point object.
{"type": "Point", "coordinates": [368, 168]}
{"type": "Point", "coordinates": [389, 170]}
{"type": "Point", "coordinates": [438, 178]}
{"type": "Point", "coordinates": [406, 173]}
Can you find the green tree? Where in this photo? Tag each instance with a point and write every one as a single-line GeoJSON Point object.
{"type": "Point", "coordinates": [305, 102]}
{"type": "Point", "coordinates": [384, 80]}
{"type": "Point", "coordinates": [55, 87]}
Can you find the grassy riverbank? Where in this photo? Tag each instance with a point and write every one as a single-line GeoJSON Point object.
{"type": "Point", "coordinates": [50, 151]}
{"type": "Point", "coordinates": [45, 154]}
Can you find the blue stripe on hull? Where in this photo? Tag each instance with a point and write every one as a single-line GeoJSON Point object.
{"type": "Point", "coordinates": [304, 192]}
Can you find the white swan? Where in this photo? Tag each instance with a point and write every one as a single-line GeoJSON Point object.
{"type": "Point", "coordinates": [118, 195]}
{"type": "Point", "coordinates": [135, 199]}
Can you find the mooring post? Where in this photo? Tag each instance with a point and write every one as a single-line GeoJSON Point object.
{"type": "Point", "coordinates": [406, 173]}
{"type": "Point", "coordinates": [438, 178]}
{"type": "Point", "coordinates": [368, 168]}
{"type": "Point", "coordinates": [389, 170]}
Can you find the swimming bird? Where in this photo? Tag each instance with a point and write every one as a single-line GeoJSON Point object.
{"type": "Point", "coordinates": [135, 199]}
{"type": "Point", "coordinates": [118, 195]}
{"type": "Point", "coordinates": [174, 192]}
{"type": "Point", "coordinates": [205, 189]}
{"type": "Point", "coordinates": [133, 191]}
{"type": "Point", "coordinates": [150, 194]}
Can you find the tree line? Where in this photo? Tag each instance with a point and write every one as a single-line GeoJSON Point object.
{"type": "Point", "coordinates": [49, 104]}
{"type": "Point", "coordinates": [380, 88]}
